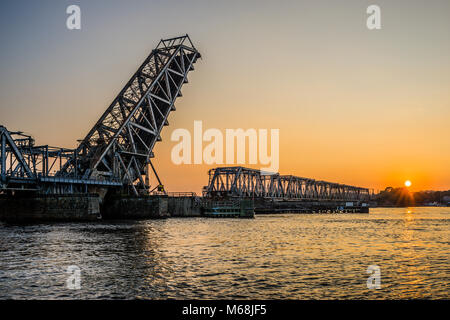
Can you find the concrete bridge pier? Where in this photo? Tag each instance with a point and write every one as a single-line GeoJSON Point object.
{"type": "Point", "coordinates": [49, 208]}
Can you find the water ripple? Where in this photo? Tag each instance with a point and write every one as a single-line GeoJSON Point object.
{"type": "Point", "coordinates": [271, 257]}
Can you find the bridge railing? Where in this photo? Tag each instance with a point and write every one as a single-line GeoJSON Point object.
{"type": "Point", "coordinates": [181, 194]}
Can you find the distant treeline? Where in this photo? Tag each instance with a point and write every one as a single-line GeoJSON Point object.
{"type": "Point", "coordinates": [402, 197]}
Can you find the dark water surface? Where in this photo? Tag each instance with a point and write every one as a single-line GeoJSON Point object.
{"type": "Point", "coordinates": [290, 256]}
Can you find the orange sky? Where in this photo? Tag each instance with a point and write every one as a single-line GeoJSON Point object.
{"type": "Point", "coordinates": [361, 107]}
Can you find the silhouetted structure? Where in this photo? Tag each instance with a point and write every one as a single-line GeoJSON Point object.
{"type": "Point", "coordinates": [117, 150]}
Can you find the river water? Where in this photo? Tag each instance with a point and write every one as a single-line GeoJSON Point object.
{"type": "Point", "coordinates": [289, 256]}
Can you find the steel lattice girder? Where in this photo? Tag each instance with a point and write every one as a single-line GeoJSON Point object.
{"type": "Point", "coordinates": [12, 161]}
{"type": "Point", "coordinates": [243, 182]}
{"type": "Point", "coordinates": [26, 167]}
{"type": "Point", "coordinates": [119, 146]}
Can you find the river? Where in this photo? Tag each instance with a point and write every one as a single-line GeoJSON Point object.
{"type": "Point", "coordinates": [288, 256]}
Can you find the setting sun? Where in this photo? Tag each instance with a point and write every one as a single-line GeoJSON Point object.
{"type": "Point", "coordinates": [408, 183]}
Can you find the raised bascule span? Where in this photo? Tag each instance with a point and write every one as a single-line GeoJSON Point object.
{"type": "Point", "coordinates": [119, 146]}
{"type": "Point", "coordinates": [117, 151]}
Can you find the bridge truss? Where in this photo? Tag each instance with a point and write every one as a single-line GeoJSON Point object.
{"type": "Point", "coordinates": [239, 182]}
{"type": "Point", "coordinates": [121, 142]}
{"type": "Point", "coordinates": [27, 167]}
{"type": "Point", "coordinates": [117, 151]}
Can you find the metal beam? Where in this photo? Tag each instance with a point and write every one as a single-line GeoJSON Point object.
{"type": "Point", "coordinates": [250, 183]}
{"type": "Point", "coordinates": [132, 124]}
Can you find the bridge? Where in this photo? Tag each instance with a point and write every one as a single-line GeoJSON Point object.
{"type": "Point", "coordinates": [272, 193]}
{"type": "Point", "coordinates": [117, 151]}
{"type": "Point", "coordinates": [239, 182]}
{"type": "Point", "coordinates": [115, 157]}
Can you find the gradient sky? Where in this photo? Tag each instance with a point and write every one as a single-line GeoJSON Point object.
{"type": "Point", "coordinates": [368, 108]}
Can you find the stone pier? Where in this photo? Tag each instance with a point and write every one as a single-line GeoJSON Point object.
{"type": "Point", "coordinates": [184, 206]}
{"type": "Point", "coordinates": [145, 207]}
{"type": "Point", "coordinates": [57, 208]}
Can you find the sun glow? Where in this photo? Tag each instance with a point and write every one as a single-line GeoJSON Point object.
{"type": "Point", "coordinates": [408, 183]}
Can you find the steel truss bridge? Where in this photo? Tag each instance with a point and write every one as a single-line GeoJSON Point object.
{"type": "Point", "coordinates": [239, 182]}
{"type": "Point", "coordinates": [117, 151]}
